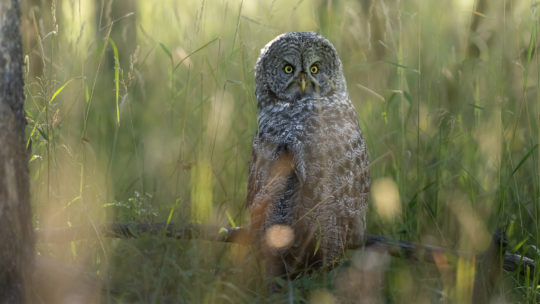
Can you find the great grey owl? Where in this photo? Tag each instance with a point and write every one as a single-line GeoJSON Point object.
{"type": "Point", "coordinates": [308, 179]}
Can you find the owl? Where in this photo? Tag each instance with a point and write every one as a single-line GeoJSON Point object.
{"type": "Point", "coordinates": [308, 180]}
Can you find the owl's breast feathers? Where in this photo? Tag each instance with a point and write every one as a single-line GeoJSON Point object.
{"type": "Point", "coordinates": [309, 169]}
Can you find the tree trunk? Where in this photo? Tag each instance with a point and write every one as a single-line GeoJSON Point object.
{"type": "Point", "coordinates": [16, 233]}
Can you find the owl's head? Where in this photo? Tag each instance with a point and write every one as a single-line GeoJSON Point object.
{"type": "Point", "coordinates": [297, 66]}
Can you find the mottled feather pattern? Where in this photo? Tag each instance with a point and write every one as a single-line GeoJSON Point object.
{"type": "Point", "coordinates": [309, 167]}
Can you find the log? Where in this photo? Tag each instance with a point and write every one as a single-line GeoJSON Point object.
{"type": "Point", "coordinates": [240, 235]}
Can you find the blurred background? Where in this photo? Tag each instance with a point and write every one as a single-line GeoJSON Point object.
{"type": "Point", "coordinates": [144, 111]}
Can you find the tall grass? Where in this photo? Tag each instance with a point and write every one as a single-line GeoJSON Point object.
{"type": "Point", "coordinates": [146, 113]}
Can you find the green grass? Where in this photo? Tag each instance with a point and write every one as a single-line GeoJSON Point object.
{"type": "Point", "coordinates": [149, 117]}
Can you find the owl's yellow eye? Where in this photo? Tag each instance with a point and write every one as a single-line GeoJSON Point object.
{"type": "Point", "coordinates": [288, 69]}
{"type": "Point", "coordinates": [314, 69]}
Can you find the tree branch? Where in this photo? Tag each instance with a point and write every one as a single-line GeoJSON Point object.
{"type": "Point", "coordinates": [240, 235]}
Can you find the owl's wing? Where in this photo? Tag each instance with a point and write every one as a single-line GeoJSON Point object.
{"type": "Point", "coordinates": [253, 186]}
{"type": "Point", "coordinates": [361, 184]}
{"type": "Point", "coordinates": [267, 181]}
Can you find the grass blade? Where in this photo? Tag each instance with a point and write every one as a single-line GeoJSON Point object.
{"type": "Point", "coordinates": [403, 67]}
{"type": "Point", "coordinates": [194, 52]}
{"type": "Point", "coordinates": [522, 161]}
{"type": "Point", "coordinates": [171, 213]}
{"type": "Point", "coordinates": [60, 90]}
{"type": "Point", "coordinates": [166, 50]}
{"type": "Point", "coordinates": [229, 217]}
{"type": "Point", "coordinates": [116, 79]}
{"type": "Point", "coordinates": [43, 134]}
{"type": "Point", "coordinates": [529, 56]}
{"type": "Point", "coordinates": [86, 93]}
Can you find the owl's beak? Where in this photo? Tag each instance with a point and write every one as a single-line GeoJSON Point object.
{"type": "Point", "coordinates": [303, 82]}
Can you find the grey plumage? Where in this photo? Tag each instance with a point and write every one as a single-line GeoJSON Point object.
{"type": "Point", "coordinates": [309, 168]}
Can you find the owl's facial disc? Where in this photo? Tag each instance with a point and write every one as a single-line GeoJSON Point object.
{"type": "Point", "coordinates": [302, 85]}
{"type": "Point", "coordinates": [298, 66]}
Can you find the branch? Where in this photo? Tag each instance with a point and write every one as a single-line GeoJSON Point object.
{"type": "Point", "coordinates": [429, 253]}
{"type": "Point", "coordinates": [134, 230]}
{"type": "Point", "coordinates": [240, 235]}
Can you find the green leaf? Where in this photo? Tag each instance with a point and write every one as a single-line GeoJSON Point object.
{"type": "Point", "coordinates": [171, 213]}
{"type": "Point", "coordinates": [59, 90]}
{"type": "Point", "coordinates": [34, 157]}
{"type": "Point", "coordinates": [116, 79]}
{"type": "Point", "coordinates": [518, 246]}
{"type": "Point", "coordinates": [166, 50]}
{"type": "Point", "coordinates": [403, 67]}
{"type": "Point", "coordinates": [525, 158]}
{"type": "Point", "coordinates": [194, 52]}
{"type": "Point", "coordinates": [43, 134]}
{"type": "Point", "coordinates": [408, 97]}
{"type": "Point", "coordinates": [476, 106]}
{"type": "Point", "coordinates": [319, 238]}
{"type": "Point", "coordinates": [532, 41]}
{"type": "Point", "coordinates": [251, 20]}
{"type": "Point", "coordinates": [231, 221]}
{"type": "Point", "coordinates": [131, 228]}
{"type": "Point", "coordinates": [280, 281]}
{"type": "Point", "coordinates": [86, 93]}
{"type": "Point", "coordinates": [78, 197]}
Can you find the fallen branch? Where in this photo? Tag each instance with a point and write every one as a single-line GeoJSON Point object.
{"type": "Point", "coordinates": [429, 253]}
{"type": "Point", "coordinates": [239, 235]}
{"type": "Point", "coordinates": [134, 230]}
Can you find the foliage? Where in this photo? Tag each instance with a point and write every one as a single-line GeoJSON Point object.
{"type": "Point", "coordinates": [157, 98]}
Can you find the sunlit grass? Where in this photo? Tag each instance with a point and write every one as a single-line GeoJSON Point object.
{"type": "Point", "coordinates": [147, 114]}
